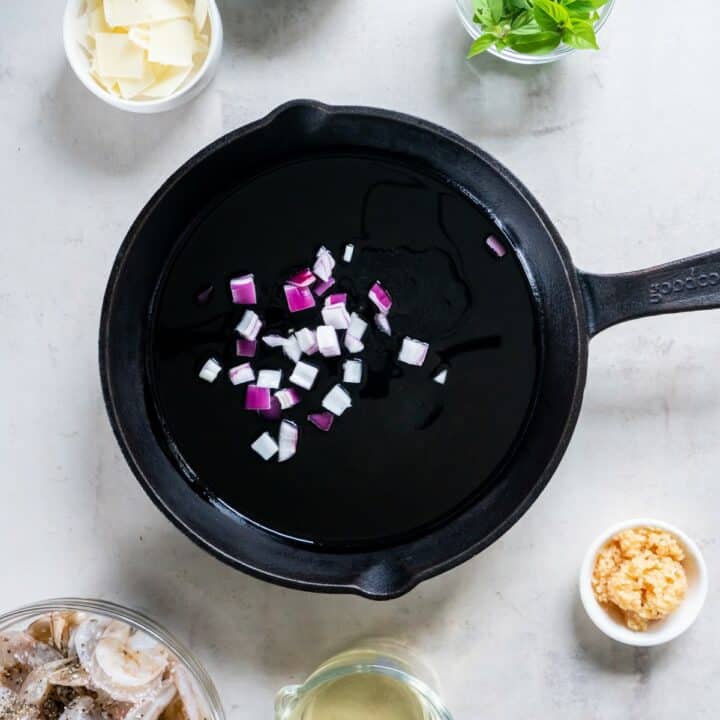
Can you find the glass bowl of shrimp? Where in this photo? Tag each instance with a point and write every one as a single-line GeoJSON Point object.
{"type": "Point", "coordinates": [73, 659]}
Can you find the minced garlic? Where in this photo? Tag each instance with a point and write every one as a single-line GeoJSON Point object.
{"type": "Point", "coordinates": [640, 572]}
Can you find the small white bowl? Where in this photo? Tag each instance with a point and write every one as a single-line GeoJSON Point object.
{"type": "Point", "coordinates": [81, 67]}
{"type": "Point", "coordinates": [661, 631]}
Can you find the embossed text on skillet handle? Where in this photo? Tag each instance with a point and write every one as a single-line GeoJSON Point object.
{"type": "Point", "coordinates": [683, 285]}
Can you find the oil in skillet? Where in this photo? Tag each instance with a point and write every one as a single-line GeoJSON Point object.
{"type": "Point", "coordinates": [410, 452]}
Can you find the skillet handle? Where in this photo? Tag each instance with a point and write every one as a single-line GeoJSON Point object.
{"type": "Point", "coordinates": [680, 286]}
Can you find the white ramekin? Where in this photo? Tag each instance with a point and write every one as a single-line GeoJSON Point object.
{"type": "Point", "coordinates": [661, 631]}
{"type": "Point", "coordinates": [81, 67]}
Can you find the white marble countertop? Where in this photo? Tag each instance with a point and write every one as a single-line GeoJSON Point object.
{"type": "Point", "coordinates": [621, 148]}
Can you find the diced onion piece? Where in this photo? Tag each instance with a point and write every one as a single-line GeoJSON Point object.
{"type": "Point", "coordinates": [292, 349]}
{"type": "Point", "coordinates": [298, 298]}
{"type": "Point", "coordinates": [337, 401]}
{"type": "Point", "coordinates": [265, 446]}
{"type": "Point", "coordinates": [307, 340]}
{"type": "Point", "coordinates": [496, 246]}
{"type": "Point", "coordinates": [336, 299]}
{"type": "Point", "coordinates": [336, 316]}
{"type": "Point", "coordinates": [348, 252]}
{"type": "Point", "coordinates": [204, 295]}
{"type": "Point", "coordinates": [274, 412]}
{"type": "Point", "coordinates": [257, 398]}
{"type": "Point", "coordinates": [352, 344]}
{"type": "Point", "coordinates": [287, 397]}
{"type": "Point", "coordinates": [304, 278]}
{"type": "Point", "coordinates": [269, 379]}
{"type": "Point", "coordinates": [250, 325]}
{"type": "Point", "coordinates": [383, 324]}
{"type": "Point", "coordinates": [287, 440]}
{"type": "Point", "coordinates": [441, 377]}
{"type": "Point", "coordinates": [327, 341]}
{"type": "Point", "coordinates": [324, 264]}
{"type": "Point", "coordinates": [323, 287]}
{"type": "Point", "coordinates": [241, 374]}
{"type": "Point", "coordinates": [304, 375]}
{"type": "Point", "coordinates": [274, 341]}
{"type": "Point", "coordinates": [322, 421]}
{"type": "Point", "coordinates": [245, 348]}
{"type": "Point", "coordinates": [380, 298]}
{"type": "Point", "coordinates": [210, 370]}
{"type": "Point", "coordinates": [357, 326]}
{"type": "Point", "coordinates": [352, 371]}
{"type": "Point", "coordinates": [413, 352]}
{"type": "Point", "coordinates": [242, 290]}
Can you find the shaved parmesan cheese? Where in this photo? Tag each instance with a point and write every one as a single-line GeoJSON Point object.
{"type": "Point", "coordinates": [137, 12]}
{"type": "Point", "coordinates": [200, 12]}
{"type": "Point", "coordinates": [81, 30]}
{"type": "Point", "coordinates": [172, 43]}
{"type": "Point", "coordinates": [97, 22]}
{"type": "Point", "coordinates": [140, 36]}
{"type": "Point", "coordinates": [168, 82]}
{"type": "Point", "coordinates": [117, 57]}
{"type": "Point", "coordinates": [201, 44]}
{"type": "Point", "coordinates": [130, 88]}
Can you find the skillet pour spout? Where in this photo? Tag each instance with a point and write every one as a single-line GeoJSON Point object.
{"type": "Point", "coordinates": [302, 164]}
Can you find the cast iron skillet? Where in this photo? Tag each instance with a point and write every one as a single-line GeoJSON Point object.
{"type": "Point", "coordinates": [570, 307]}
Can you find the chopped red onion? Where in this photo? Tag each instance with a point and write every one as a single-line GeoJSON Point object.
{"type": "Point", "coordinates": [245, 348]}
{"type": "Point", "coordinates": [441, 377]}
{"type": "Point", "coordinates": [265, 446]}
{"type": "Point", "coordinates": [287, 440]}
{"type": "Point", "coordinates": [352, 371]}
{"type": "Point", "coordinates": [323, 287]}
{"type": "Point", "coordinates": [257, 398]}
{"type": "Point", "coordinates": [336, 316]}
{"type": "Point", "coordinates": [304, 278]}
{"type": "Point", "coordinates": [287, 397]}
{"type": "Point", "coordinates": [327, 341]}
{"type": "Point", "coordinates": [381, 298]}
{"type": "Point", "coordinates": [413, 352]}
{"type": "Point", "coordinates": [304, 375]}
{"type": "Point", "coordinates": [250, 325]}
{"type": "Point", "coordinates": [336, 299]}
{"type": "Point", "coordinates": [352, 344]}
{"type": "Point", "coordinates": [292, 349]}
{"type": "Point", "coordinates": [307, 340]}
{"type": "Point", "coordinates": [322, 421]}
{"type": "Point", "coordinates": [496, 246]}
{"type": "Point", "coordinates": [337, 401]}
{"type": "Point", "coordinates": [241, 374]}
{"type": "Point", "coordinates": [274, 341]}
{"type": "Point", "coordinates": [357, 326]}
{"type": "Point", "coordinates": [383, 324]}
{"type": "Point", "coordinates": [203, 297]}
{"type": "Point", "coordinates": [348, 252]}
{"type": "Point", "coordinates": [275, 411]}
{"type": "Point", "coordinates": [324, 264]}
{"type": "Point", "coordinates": [243, 290]}
{"type": "Point", "coordinates": [210, 370]}
{"type": "Point", "coordinates": [269, 379]}
{"type": "Point", "coordinates": [298, 298]}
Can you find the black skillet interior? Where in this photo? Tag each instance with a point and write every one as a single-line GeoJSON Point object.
{"type": "Point", "coordinates": [416, 476]}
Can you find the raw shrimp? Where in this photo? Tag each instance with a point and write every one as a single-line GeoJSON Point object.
{"type": "Point", "coordinates": [190, 694]}
{"type": "Point", "coordinates": [37, 685]}
{"type": "Point", "coordinates": [153, 706]}
{"type": "Point", "coordinates": [82, 708]}
{"type": "Point", "coordinates": [21, 648]}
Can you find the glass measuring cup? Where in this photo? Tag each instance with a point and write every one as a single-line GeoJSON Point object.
{"type": "Point", "coordinates": [379, 678]}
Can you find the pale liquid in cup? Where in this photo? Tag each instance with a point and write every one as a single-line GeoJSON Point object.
{"type": "Point", "coordinates": [364, 696]}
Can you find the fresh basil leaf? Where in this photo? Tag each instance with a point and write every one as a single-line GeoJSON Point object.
{"type": "Point", "coordinates": [482, 14]}
{"type": "Point", "coordinates": [599, 3]}
{"type": "Point", "coordinates": [534, 43]}
{"type": "Point", "coordinates": [519, 4]}
{"type": "Point", "coordinates": [481, 44]}
{"type": "Point", "coordinates": [497, 10]}
{"type": "Point", "coordinates": [550, 14]}
{"type": "Point", "coordinates": [581, 35]}
{"type": "Point", "coordinates": [580, 8]}
{"type": "Point", "coordinates": [522, 19]}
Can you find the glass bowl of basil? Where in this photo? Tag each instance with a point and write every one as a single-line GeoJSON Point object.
{"type": "Point", "coordinates": [532, 32]}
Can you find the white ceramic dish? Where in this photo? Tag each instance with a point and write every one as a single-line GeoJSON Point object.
{"type": "Point", "coordinates": [81, 67]}
{"type": "Point", "coordinates": [661, 631]}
